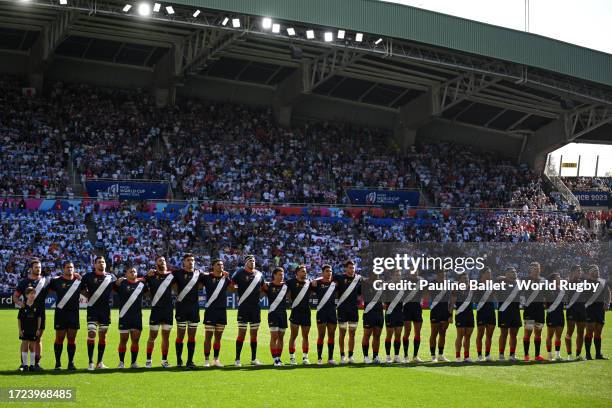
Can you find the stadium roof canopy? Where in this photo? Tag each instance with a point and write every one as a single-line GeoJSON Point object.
{"type": "Point", "coordinates": [473, 73]}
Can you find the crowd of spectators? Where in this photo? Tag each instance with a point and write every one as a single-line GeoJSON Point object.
{"type": "Point", "coordinates": [219, 152]}
{"type": "Point", "coordinates": [588, 183]}
{"type": "Point", "coordinates": [52, 236]}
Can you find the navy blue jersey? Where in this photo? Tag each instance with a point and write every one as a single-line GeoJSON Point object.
{"type": "Point", "coordinates": [61, 286]}
{"type": "Point", "coordinates": [242, 279]}
{"type": "Point", "coordinates": [320, 291]}
{"type": "Point", "coordinates": [295, 287]}
{"type": "Point", "coordinates": [124, 292]}
{"type": "Point", "coordinates": [343, 281]}
{"type": "Point", "coordinates": [29, 315]}
{"type": "Point", "coordinates": [42, 295]}
{"type": "Point", "coordinates": [153, 284]}
{"type": "Point", "coordinates": [210, 283]}
{"type": "Point", "coordinates": [182, 278]}
{"type": "Point", "coordinates": [273, 292]}
{"type": "Point", "coordinates": [92, 281]}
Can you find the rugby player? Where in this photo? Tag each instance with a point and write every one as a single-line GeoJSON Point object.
{"type": "Point", "coordinates": [555, 319]}
{"type": "Point", "coordinates": [187, 282]}
{"type": "Point", "coordinates": [216, 284]}
{"type": "Point", "coordinates": [159, 283]}
{"type": "Point", "coordinates": [348, 286]}
{"type": "Point", "coordinates": [41, 286]}
{"type": "Point", "coordinates": [326, 291]}
{"type": "Point", "coordinates": [464, 319]}
{"type": "Point", "coordinates": [129, 290]}
{"type": "Point", "coordinates": [299, 288]}
{"type": "Point", "coordinates": [575, 315]}
{"type": "Point", "coordinates": [509, 314]}
{"type": "Point", "coordinates": [276, 291]}
{"type": "Point", "coordinates": [394, 322]}
{"type": "Point", "coordinates": [373, 322]}
{"type": "Point", "coordinates": [97, 287]}
{"type": "Point", "coordinates": [596, 305]}
{"type": "Point", "coordinates": [66, 321]}
{"type": "Point", "coordinates": [413, 316]}
{"type": "Point", "coordinates": [485, 317]}
{"type": "Point", "coordinates": [248, 281]}
{"type": "Point", "coordinates": [439, 319]}
{"type": "Point", "coordinates": [533, 314]}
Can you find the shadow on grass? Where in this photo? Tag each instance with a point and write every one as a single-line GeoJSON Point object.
{"type": "Point", "coordinates": [427, 364]}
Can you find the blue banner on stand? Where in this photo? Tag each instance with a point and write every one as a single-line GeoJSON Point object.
{"type": "Point", "coordinates": [593, 198]}
{"type": "Point", "coordinates": [127, 190]}
{"type": "Point", "coordinates": [383, 198]}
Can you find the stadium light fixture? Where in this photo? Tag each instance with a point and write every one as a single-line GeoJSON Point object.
{"type": "Point", "coordinates": [144, 9]}
{"type": "Point", "coordinates": [225, 21]}
{"type": "Point", "coordinates": [276, 28]}
{"type": "Point", "coordinates": [266, 23]}
{"type": "Point", "coordinates": [196, 13]}
{"type": "Point", "coordinates": [156, 7]}
{"type": "Point", "coordinates": [127, 8]}
{"type": "Point", "coordinates": [236, 22]}
{"type": "Point", "coordinates": [170, 10]}
{"type": "Point", "coordinates": [63, 2]}
{"type": "Point", "coordinates": [291, 31]}
{"type": "Point", "coordinates": [328, 37]}
{"type": "Point", "coordinates": [359, 37]}
{"type": "Point", "coordinates": [378, 41]}
{"type": "Point", "coordinates": [341, 34]}
{"type": "Point", "coordinates": [310, 34]}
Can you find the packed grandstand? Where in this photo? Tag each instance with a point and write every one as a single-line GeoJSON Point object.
{"type": "Point", "coordinates": [243, 184]}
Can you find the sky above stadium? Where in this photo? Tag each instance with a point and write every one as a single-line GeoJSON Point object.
{"type": "Point", "coordinates": [587, 22]}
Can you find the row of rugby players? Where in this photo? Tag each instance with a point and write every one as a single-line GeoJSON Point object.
{"type": "Point", "coordinates": [338, 300]}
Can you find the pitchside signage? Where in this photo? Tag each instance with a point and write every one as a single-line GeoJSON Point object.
{"type": "Point", "coordinates": [593, 198]}
{"type": "Point", "coordinates": [127, 190]}
{"type": "Point", "coordinates": [383, 198]}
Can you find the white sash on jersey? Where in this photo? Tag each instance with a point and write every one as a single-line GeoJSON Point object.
{"type": "Point", "coordinates": [279, 298]}
{"type": "Point", "coordinates": [40, 285]}
{"type": "Point", "coordinates": [131, 299]}
{"type": "Point", "coordinates": [301, 294]}
{"type": "Point", "coordinates": [532, 296]}
{"type": "Point", "coordinates": [189, 285]}
{"type": "Point", "coordinates": [215, 293]}
{"type": "Point", "coordinates": [68, 294]}
{"type": "Point", "coordinates": [250, 288]}
{"type": "Point", "coordinates": [594, 296]}
{"type": "Point", "coordinates": [162, 289]}
{"type": "Point", "coordinates": [395, 301]}
{"type": "Point", "coordinates": [410, 295]}
{"type": "Point", "coordinates": [467, 302]}
{"type": "Point", "coordinates": [437, 299]}
{"type": "Point", "coordinates": [326, 296]}
{"type": "Point", "coordinates": [349, 290]}
{"type": "Point", "coordinates": [573, 299]}
{"type": "Point", "coordinates": [510, 298]}
{"type": "Point", "coordinates": [94, 298]}
{"type": "Point", "coordinates": [483, 299]}
{"type": "Point", "coordinates": [373, 302]}
{"type": "Point", "coordinates": [557, 301]}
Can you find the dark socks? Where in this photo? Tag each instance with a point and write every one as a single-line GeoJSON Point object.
{"type": "Point", "coordinates": [239, 342]}
{"type": "Point", "coordinates": [179, 350]}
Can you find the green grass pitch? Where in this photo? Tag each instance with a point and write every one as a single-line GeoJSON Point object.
{"type": "Point", "coordinates": [565, 384]}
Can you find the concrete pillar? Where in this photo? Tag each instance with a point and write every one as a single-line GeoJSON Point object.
{"type": "Point", "coordinates": [410, 118]}
{"type": "Point", "coordinates": [164, 79]}
{"type": "Point", "coordinates": [546, 140]}
{"type": "Point", "coordinates": [288, 92]}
